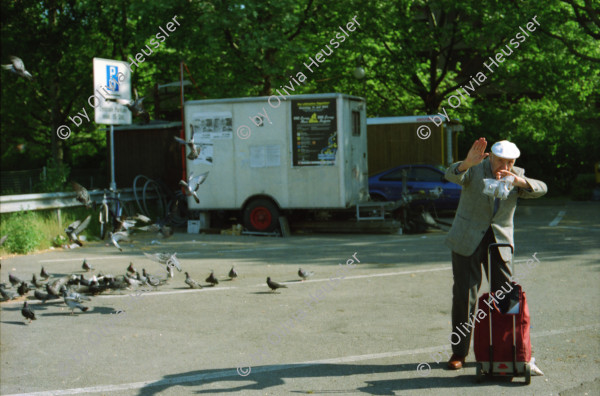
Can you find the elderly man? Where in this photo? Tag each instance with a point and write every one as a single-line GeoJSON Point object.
{"type": "Point", "coordinates": [480, 221]}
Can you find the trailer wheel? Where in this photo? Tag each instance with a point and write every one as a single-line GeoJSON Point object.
{"type": "Point", "coordinates": [261, 215]}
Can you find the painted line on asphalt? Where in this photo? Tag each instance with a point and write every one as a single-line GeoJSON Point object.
{"type": "Point", "coordinates": [122, 256]}
{"type": "Point", "coordinates": [210, 288]}
{"type": "Point", "coordinates": [579, 228]}
{"type": "Point", "coordinates": [271, 368]}
{"type": "Point", "coordinates": [558, 218]}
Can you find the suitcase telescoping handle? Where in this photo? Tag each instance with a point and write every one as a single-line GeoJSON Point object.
{"type": "Point", "coordinates": [489, 272]}
{"type": "Point", "coordinates": [499, 245]}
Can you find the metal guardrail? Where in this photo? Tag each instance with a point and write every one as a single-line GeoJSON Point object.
{"type": "Point", "coordinates": [17, 203]}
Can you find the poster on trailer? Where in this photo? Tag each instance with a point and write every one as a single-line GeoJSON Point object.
{"type": "Point", "coordinates": [314, 132]}
{"type": "Point", "coordinates": [207, 127]}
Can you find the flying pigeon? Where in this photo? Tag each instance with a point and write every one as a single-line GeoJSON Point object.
{"type": "Point", "coordinates": [233, 273]}
{"type": "Point", "coordinates": [3, 239]}
{"type": "Point", "coordinates": [14, 280]}
{"type": "Point", "coordinates": [27, 312]}
{"type": "Point", "coordinates": [116, 237]}
{"type": "Point", "coordinates": [193, 184]}
{"type": "Point", "coordinates": [274, 285]}
{"type": "Point", "coordinates": [72, 303]}
{"type": "Point", "coordinates": [82, 194]}
{"type": "Point", "coordinates": [192, 283]}
{"type": "Point", "coordinates": [75, 228]}
{"type": "Point", "coordinates": [43, 297]}
{"type": "Point", "coordinates": [136, 107]}
{"type": "Point", "coordinates": [164, 230]}
{"type": "Point", "coordinates": [18, 67]}
{"type": "Point", "coordinates": [304, 274]}
{"type": "Point", "coordinates": [167, 259]}
{"type": "Point", "coordinates": [194, 150]}
{"type": "Point", "coordinates": [86, 266]}
{"type": "Point", "coordinates": [212, 279]}
{"type": "Point", "coordinates": [43, 274]}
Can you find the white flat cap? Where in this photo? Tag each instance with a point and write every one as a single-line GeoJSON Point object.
{"type": "Point", "coordinates": [506, 149]}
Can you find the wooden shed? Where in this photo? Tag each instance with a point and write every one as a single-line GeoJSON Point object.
{"type": "Point", "coordinates": [148, 150]}
{"type": "Point", "coordinates": [394, 141]}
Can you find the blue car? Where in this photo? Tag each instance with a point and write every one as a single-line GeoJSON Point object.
{"type": "Point", "coordinates": [387, 186]}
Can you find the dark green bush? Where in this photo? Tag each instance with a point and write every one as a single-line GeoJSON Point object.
{"type": "Point", "coordinates": [582, 187]}
{"type": "Point", "coordinates": [23, 234]}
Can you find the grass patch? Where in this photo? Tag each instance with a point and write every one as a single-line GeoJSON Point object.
{"type": "Point", "coordinates": [39, 230]}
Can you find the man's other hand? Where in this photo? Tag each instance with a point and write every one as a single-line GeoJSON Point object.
{"type": "Point", "coordinates": [475, 156]}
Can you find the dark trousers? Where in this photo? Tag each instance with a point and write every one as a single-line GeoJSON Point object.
{"type": "Point", "coordinates": [466, 271]}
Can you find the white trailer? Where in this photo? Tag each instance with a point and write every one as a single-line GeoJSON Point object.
{"type": "Point", "coordinates": [272, 155]}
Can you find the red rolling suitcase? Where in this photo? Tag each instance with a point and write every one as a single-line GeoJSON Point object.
{"type": "Point", "coordinates": [501, 340]}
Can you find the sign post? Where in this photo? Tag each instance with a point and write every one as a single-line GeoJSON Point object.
{"type": "Point", "coordinates": [112, 81]}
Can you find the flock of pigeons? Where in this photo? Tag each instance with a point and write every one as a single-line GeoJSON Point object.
{"type": "Point", "coordinates": [76, 289]}
{"type": "Point", "coordinates": [134, 105]}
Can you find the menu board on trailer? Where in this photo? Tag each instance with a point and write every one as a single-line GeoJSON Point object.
{"type": "Point", "coordinates": [314, 132]}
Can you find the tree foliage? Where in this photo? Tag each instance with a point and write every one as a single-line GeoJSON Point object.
{"type": "Point", "coordinates": [416, 54]}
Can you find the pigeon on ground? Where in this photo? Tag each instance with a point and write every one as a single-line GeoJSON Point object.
{"type": "Point", "coordinates": [6, 294]}
{"type": "Point", "coordinates": [117, 237]}
{"type": "Point", "coordinates": [14, 280]}
{"type": "Point", "coordinates": [52, 290]}
{"type": "Point", "coordinates": [23, 289]}
{"type": "Point", "coordinates": [233, 273]}
{"type": "Point", "coordinates": [35, 282]}
{"type": "Point", "coordinates": [168, 259]}
{"type": "Point", "coordinates": [193, 184]}
{"type": "Point", "coordinates": [136, 107]}
{"type": "Point", "coordinates": [212, 279]}
{"type": "Point", "coordinates": [86, 266]}
{"type": "Point", "coordinates": [194, 150]}
{"type": "Point", "coordinates": [152, 280]}
{"type": "Point", "coordinates": [18, 67]}
{"type": "Point", "coordinates": [43, 274]}
{"type": "Point", "coordinates": [72, 302]}
{"type": "Point", "coordinates": [304, 274]}
{"type": "Point", "coordinates": [192, 283]}
{"type": "Point", "coordinates": [274, 285]}
{"type": "Point", "coordinates": [130, 269]}
{"type": "Point", "coordinates": [82, 194]}
{"type": "Point", "coordinates": [75, 228]}
{"type": "Point", "coordinates": [43, 297]}
{"type": "Point", "coordinates": [27, 312]}
{"type": "Point", "coordinates": [131, 280]}
{"type": "Point", "coordinates": [74, 295]}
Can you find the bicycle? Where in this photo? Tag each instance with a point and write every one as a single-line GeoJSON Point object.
{"type": "Point", "coordinates": [110, 213]}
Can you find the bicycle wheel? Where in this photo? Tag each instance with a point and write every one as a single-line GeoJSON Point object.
{"type": "Point", "coordinates": [103, 219]}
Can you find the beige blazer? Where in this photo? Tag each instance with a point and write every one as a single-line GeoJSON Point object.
{"type": "Point", "coordinates": [475, 211]}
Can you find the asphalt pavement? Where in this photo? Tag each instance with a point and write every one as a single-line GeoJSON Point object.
{"type": "Point", "coordinates": [374, 319]}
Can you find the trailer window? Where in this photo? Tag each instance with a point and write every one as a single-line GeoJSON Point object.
{"type": "Point", "coordinates": [355, 123]}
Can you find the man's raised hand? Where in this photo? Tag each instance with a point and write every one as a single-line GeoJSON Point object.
{"type": "Point", "coordinates": [476, 154]}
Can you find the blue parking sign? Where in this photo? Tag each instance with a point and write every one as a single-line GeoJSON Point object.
{"type": "Point", "coordinates": [111, 74]}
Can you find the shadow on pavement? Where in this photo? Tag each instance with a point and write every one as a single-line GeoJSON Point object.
{"type": "Point", "coordinates": [264, 378]}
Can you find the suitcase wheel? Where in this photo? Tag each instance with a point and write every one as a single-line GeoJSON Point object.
{"type": "Point", "coordinates": [527, 374]}
{"type": "Point", "coordinates": [479, 372]}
